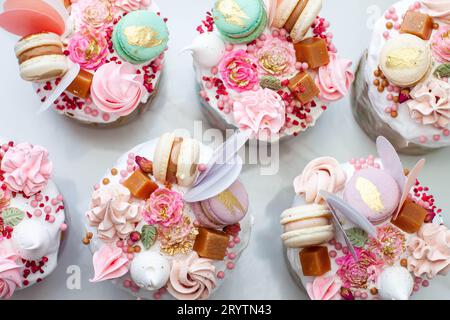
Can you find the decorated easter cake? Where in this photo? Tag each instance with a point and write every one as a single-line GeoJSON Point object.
{"type": "Point", "coordinates": [364, 229]}
{"type": "Point", "coordinates": [32, 217]}
{"type": "Point", "coordinates": [269, 66]}
{"type": "Point", "coordinates": [402, 89]}
{"type": "Point", "coordinates": [97, 61]}
{"type": "Point", "coordinates": [169, 220]}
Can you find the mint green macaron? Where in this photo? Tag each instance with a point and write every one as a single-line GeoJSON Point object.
{"type": "Point", "coordinates": [240, 21]}
{"type": "Point", "coordinates": [140, 36]}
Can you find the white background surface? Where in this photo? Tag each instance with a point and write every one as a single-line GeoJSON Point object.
{"type": "Point", "coordinates": [82, 154]}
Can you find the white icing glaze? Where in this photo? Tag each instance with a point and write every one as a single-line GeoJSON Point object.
{"type": "Point", "coordinates": [147, 150]}
{"type": "Point", "coordinates": [81, 115]}
{"type": "Point", "coordinates": [403, 124]}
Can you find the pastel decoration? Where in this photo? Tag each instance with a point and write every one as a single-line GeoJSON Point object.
{"type": "Point", "coordinates": [395, 283]}
{"type": "Point", "coordinates": [324, 288]}
{"type": "Point", "coordinates": [409, 183]}
{"type": "Point", "coordinates": [150, 270]}
{"type": "Point", "coordinates": [38, 5]}
{"type": "Point", "coordinates": [350, 213]}
{"type": "Point", "coordinates": [374, 193]}
{"type": "Point", "coordinates": [390, 160]}
{"type": "Point", "coordinates": [109, 263]}
{"type": "Point", "coordinates": [207, 49]}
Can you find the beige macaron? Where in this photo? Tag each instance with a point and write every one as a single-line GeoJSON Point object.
{"type": "Point", "coordinates": [306, 225]}
{"type": "Point", "coordinates": [187, 162]}
{"type": "Point", "coordinates": [297, 16]}
{"type": "Point", "coordinates": [405, 60]}
{"type": "Point", "coordinates": [161, 157]}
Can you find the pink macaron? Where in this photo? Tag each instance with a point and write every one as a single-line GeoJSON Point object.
{"type": "Point", "coordinates": [226, 208]}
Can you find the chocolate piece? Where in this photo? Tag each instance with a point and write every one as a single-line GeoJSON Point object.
{"type": "Point", "coordinates": [411, 217]}
{"type": "Point", "coordinates": [303, 87]}
{"type": "Point", "coordinates": [315, 261]}
{"type": "Point", "coordinates": [81, 86]}
{"type": "Point", "coordinates": [313, 51]}
{"type": "Point", "coordinates": [295, 15]}
{"type": "Point", "coordinates": [211, 244]}
{"type": "Point", "coordinates": [418, 24]}
{"type": "Point", "coordinates": [140, 185]}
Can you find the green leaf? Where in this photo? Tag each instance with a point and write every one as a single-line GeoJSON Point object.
{"type": "Point", "coordinates": [271, 83]}
{"type": "Point", "coordinates": [443, 71]}
{"type": "Point", "coordinates": [357, 237]}
{"type": "Point", "coordinates": [12, 216]}
{"type": "Point", "coordinates": [148, 236]}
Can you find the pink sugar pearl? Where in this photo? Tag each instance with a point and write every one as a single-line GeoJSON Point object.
{"type": "Point", "coordinates": [220, 274]}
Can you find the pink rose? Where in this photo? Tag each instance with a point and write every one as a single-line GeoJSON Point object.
{"type": "Point", "coordinates": [92, 13]}
{"type": "Point", "coordinates": [10, 277]}
{"type": "Point", "coordinates": [165, 208]}
{"type": "Point", "coordinates": [276, 57]}
{"type": "Point", "coordinates": [238, 70]}
{"type": "Point", "coordinates": [334, 79]}
{"type": "Point", "coordinates": [26, 168]}
{"type": "Point", "coordinates": [440, 44]}
{"type": "Point", "coordinates": [88, 48]}
{"type": "Point", "coordinates": [429, 103]}
{"type": "Point", "coordinates": [132, 5]}
{"type": "Point", "coordinates": [260, 111]}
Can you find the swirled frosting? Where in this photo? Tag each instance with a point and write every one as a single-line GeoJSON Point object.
{"type": "Point", "coordinates": [440, 44]}
{"type": "Point", "coordinates": [192, 278]}
{"type": "Point", "coordinates": [132, 5]}
{"type": "Point", "coordinates": [334, 80]}
{"type": "Point", "coordinates": [26, 168]}
{"type": "Point", "coordinates": [320, 174]}
{"type": "Point", "coordinates": [430, 251]}
{"type": "Point", "coordinates": [10, 277]}
{"type": "Point", "coordinates": [324, 288]}
{"type": "Point", "coordinates": [438, 9]}
{"type": "Point", "coordinates": [117, 88]}
{"type": "Point", "coordinates": [112, 213]}
{"type": "Point", "coordinates": [430, 104]}
{"type": "Point", "coordinates": [109, 263]}
{"type": "Point", "coordinates": [261, 111]}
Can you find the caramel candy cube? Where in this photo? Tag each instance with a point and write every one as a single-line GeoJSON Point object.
{"type": "Point", "coordinates": [303, 87]}
{"type": "Point", "coordinates": [418, 24]}
{"type": "Point", "coordinates": [411, 217]}
{"type": "Point", "coordinates": [211, 244]}
{"type": "Point", "coordinates": [313, 51]}
{"type": "Point", "coordinates": [81, 86]}
{"type": "Point", "coordinates": [315, 261]}
{"type": "Point", "coordinates": [140, 185]}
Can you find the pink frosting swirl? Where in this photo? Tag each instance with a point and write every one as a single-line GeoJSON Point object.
{"type": "Point", "coordinates": [430, 104]}
{"type": "Point", "coordinates": [276, 57]}
{"type": "Point", "coordinates": [132, 5]}
{"type": "Point", "coordinates": [10, 275]}
{"type": "Point", "coordinates": [440, 44]}
{"type": "Point", "coordinates": [26, 168]}
{"type": "Point", "coordinates": [334, 80]}
{"type": "Point", "coordinates": [261, 111]}
{"type": "Point", "coordinates": [439, 9]}
{"type": "Point", "coordinates": [112, 213]}
{"type": "Point", "coordinates": [165, 208]}
{"type": "Point", "coordinates": [117, 88]}
{"type": "Point", "coordinates": [324, 288]}
{"type": "Point", "coordinates": [238, 70]}
{"type": "Point", "coordinates": [320, 174]}
{"type": "Point", "coordinates": [192, 278]}
{"type": "Point", "coordinates": [88, 48]}
{"type": "Point", "coordinates": [109, 263]}
{"type": "Point", "coordinates": [430, 251]}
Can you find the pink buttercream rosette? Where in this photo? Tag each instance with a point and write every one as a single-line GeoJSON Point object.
{"type": "Point", "coordinates": [262, 112]}
{"type": "Point", "coordinates": [238, 70]}
{"type": "Point", "coordinates": [320, 174]}
{"type": "Point", "coordinates": [334, 80]}
{"type": "Point", "coordinates": [26, 168]}
{"type": "Point", "coordinates": [440, 44]}
{"type": "Point", "coordinates": [164, 208]}
{"type": "Point", "coordinates": [430, 251]}
{"type": "Point", "coordinates": [117, 88]}
{"type": "Point", "coordinates": [10, 275]}
{"type": "Point", "coordinates": [429, 104]}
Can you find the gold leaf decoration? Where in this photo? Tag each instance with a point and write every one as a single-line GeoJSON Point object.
{"type": "Point", "coordinates": [369, 194]}
{"type": "Point", "coordinates": [230, 202]}
{"type": "Point", "coordinates": [142, 36]}
{"type": "Point", "coordinates": [403, 58]}
{"type": "Point", "coordinates": [232, 12]}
